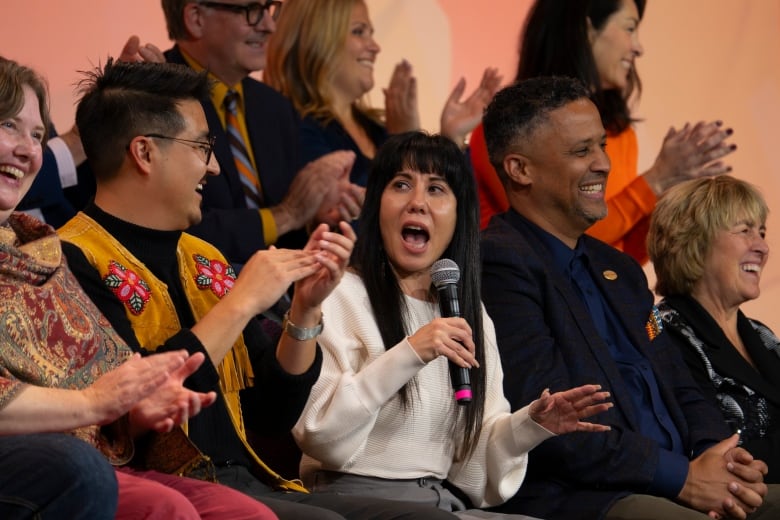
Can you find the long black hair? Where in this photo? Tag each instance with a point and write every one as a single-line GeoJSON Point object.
{"type": "Point", "coordinates": [424, 153]}
{"type": "Point", "coordinates": [555, 43]}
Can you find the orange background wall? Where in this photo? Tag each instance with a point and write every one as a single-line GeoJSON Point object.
{"type": "Point", "coordinates": [704, 59]}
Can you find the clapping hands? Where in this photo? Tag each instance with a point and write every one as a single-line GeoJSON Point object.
{"type": "Point", "coordinates": [690, 152]}
{"type": "Point", "coordinates": [458, 117]}
{"type": "Point", "coordinates": [171, 404]}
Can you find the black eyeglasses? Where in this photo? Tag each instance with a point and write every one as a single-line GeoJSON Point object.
{"type": "Point", "coordinates": [253, 10]}
{"type": "Point", "coordinates": [207, 148]}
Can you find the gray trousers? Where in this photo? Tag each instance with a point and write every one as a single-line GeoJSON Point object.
{"type": "Point", "coordinates": [427, 491]}
{"type": "Point", "coordinates": [325, 506]}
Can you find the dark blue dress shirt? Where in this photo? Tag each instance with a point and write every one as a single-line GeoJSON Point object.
{"type": "Point", "coordinates": [652, 414]}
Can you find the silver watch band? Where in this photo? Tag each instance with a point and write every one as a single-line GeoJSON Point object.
{"type": "Point", "coordinates": [300, 333]}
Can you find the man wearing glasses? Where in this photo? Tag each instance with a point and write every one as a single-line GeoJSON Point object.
{"type": "Point", "coordinates": [264, 196]}
{"type": "Point", "coordinates": [254, 11]}
{"type": "Point", "coordinates": [147, 139]}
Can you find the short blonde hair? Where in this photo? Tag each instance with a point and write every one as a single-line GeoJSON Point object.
{"type": "Point", "coordinates": [303, 51]}
{"type": "Point", "coordinates": [684, 224]}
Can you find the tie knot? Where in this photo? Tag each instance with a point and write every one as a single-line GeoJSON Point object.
{"type": "Point", "coordinates": [231, 101]}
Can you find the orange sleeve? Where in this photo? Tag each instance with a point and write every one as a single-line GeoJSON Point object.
{"type": "Point", "coordinates": [492, 196]}
{"type": "Point", "coordinates": [630, 201]}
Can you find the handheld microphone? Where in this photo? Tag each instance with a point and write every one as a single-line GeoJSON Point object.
{"type": "Point", "coordinates": [445, 275]}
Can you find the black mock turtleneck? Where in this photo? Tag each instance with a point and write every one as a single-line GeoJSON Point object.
{"type": "Point", "coordinates": [211, 430]}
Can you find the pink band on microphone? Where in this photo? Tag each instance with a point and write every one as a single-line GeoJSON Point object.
{"type": "Point", "coordinates": [462, 394]}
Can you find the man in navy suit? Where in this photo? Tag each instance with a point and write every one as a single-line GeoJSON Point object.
{"type": "Point", "coordinates": [569, 309]}
{"type": "Point", "coordinates": [229, 38]}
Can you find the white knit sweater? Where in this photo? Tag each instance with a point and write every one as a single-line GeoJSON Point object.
{"type": "Point", "coordinates": [354, 422]}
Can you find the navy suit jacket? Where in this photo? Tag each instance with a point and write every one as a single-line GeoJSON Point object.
{"type": "Point", "coordinates": [548, 340]}
{"type": "Point", "coordinates": [46, 194]}
{"type": "Point", "coordinates": [272, 124]}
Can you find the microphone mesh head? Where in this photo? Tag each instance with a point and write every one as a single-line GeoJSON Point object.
{"type": "Point", "coordinates": [444, 272]}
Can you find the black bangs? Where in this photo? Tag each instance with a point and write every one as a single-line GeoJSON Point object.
{"type": "Point", "coordinates": [431, 154]}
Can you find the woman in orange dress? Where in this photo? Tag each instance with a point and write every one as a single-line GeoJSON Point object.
{"type": "Point", "coordinates": [597, 41]}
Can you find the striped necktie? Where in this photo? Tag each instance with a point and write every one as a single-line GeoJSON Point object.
{"type": "Point", "coordinates": [248, 175]}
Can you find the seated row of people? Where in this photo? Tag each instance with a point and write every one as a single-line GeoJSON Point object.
{"type": "Point", "coordinates": [385, 352]}
{"type": "Point", "coordinates": [488, 461]}
{"type": "Point", "coordinates": [166, 290]}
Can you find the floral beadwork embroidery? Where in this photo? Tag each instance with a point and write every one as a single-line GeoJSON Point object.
{"type": "Point", "coordinates": [215, 275]}
{"type": "Point", "coordinates": [128, 287]}
{"type": "Point", "coordinates": [654, 325]}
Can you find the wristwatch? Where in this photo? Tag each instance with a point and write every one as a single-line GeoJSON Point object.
{"type": "Point", "coordinates": [300, 333]}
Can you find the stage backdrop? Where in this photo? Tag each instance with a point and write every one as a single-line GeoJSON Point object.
{"type": "Point", "coordinates": [704, 59]}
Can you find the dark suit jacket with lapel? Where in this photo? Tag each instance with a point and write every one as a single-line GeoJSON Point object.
{"type": "Point", "coordinates": [547, 340]}
{"type": "Point", "coordinates": [749, 398]}
{"type": "Point", "coordinates": [272, 123]}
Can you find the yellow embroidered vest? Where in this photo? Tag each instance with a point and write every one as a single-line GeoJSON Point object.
{"type": "Point", "coordinates": [205, 275]}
